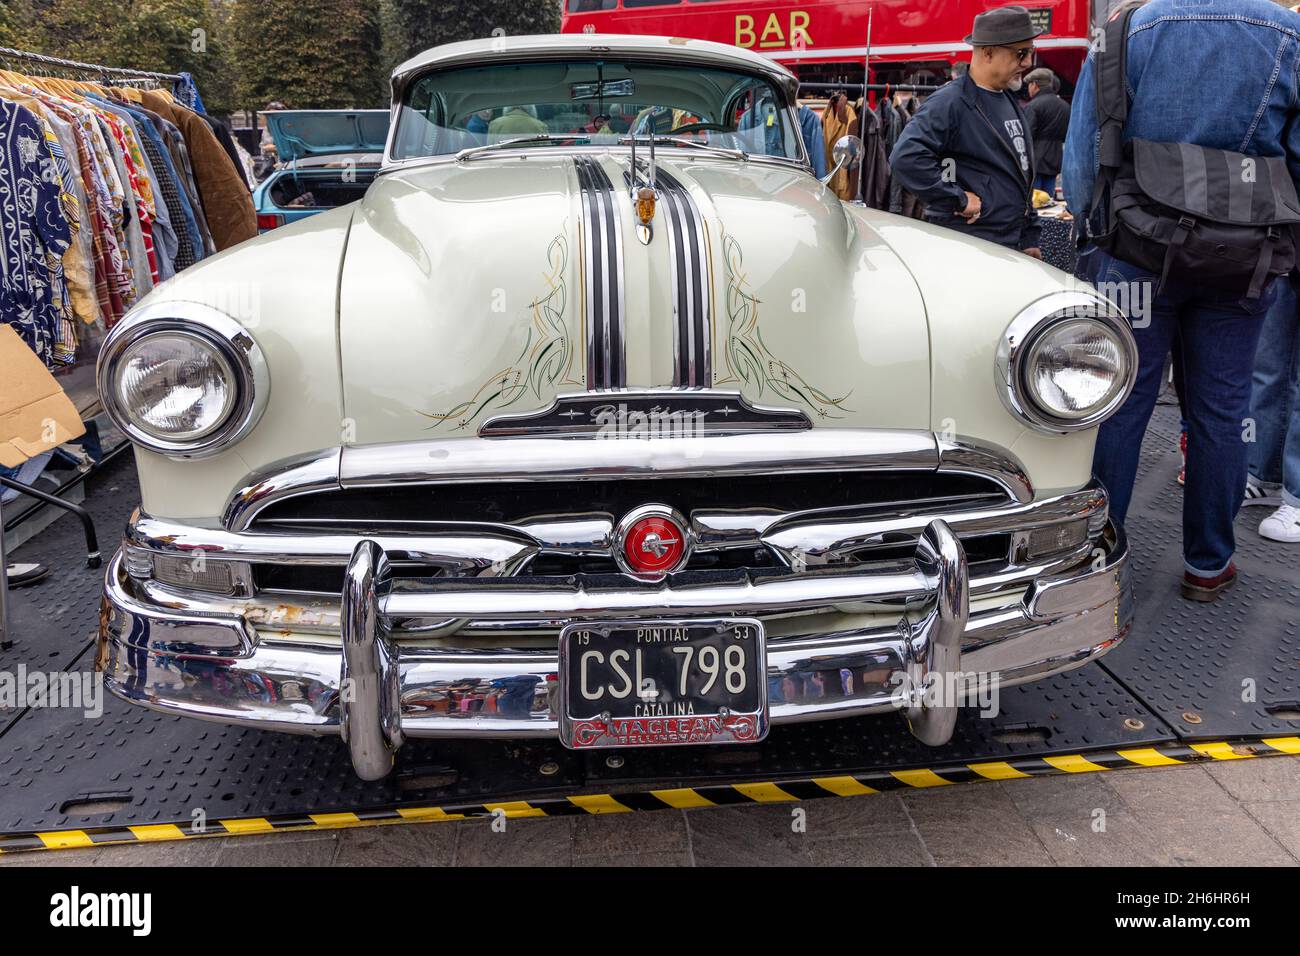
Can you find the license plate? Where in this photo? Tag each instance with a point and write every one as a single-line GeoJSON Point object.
{"type": "Point", "coordinates": [662, 683]}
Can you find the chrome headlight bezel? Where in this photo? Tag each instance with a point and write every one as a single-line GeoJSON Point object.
{"type": "Point", "coordinates": [1027, 329]}
{"type": "Point", "coordinates": [213, 329]}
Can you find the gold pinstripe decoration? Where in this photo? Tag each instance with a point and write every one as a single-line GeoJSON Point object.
{"type": "Point", "coordinates": [759, 791]}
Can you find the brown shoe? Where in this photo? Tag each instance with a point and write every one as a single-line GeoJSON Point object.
{"type": "Point", "coordinates": [1208, 589]}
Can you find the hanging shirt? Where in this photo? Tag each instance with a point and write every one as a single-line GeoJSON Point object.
{"type": "Point", "coordinates": [32, 224]}
{"type": "Point", "coordinates": [187, 94]}
{"type": "Point", "coordinates": [107, 256]}
{"type": "Point", "coordinates": [139, 149]}
{"type": "Point", "coordinates": [79, 261]}
{"type": "Point", "coordinates": [165, 241]}
{"type": "Point", "coordinates": [810, 129]}
{"type": "Point", "coordinates": [172, 193]}
{"type": "Point", "coordinates": [120, 275]}
{"type": "Point", "coordinates": [140, 194]}
{"type": "Point", "coordinates": [138, 241]}
{"type": "Point", "coordinates": [190, 245]}
{"type": "Point", "coordinates": [65, 337]}
{"type": "Point", "coordinates": [181, 156]}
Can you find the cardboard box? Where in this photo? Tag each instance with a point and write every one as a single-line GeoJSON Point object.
{"type": "Point", "coordinates": [35, 414]}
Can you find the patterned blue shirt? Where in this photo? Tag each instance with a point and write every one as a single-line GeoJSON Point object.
{"type": "Point", "coordinates": [32, 224]}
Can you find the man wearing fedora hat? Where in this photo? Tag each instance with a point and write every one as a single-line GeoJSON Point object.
{"type": "Point", "coordinates": [967, 153]}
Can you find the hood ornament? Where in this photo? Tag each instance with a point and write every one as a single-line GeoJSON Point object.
{"type": "Point", "coordinates": [645, 212]}
{"type": "Point", "coordinates": [644, 197]}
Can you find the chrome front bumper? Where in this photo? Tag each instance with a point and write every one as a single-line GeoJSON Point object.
{"type": "Point", "coordinates": [920, 621]}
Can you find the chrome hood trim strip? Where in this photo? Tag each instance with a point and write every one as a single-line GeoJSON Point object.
{"type": "Point", "coordinates": [692, 278]}
{"type": "Point", "coordinates": [691, 282]}
{"type": "Point", "coordinates": [602, 241]}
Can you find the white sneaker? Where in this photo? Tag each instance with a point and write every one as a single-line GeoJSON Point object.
{"type": "Point", "coordinates": [1282, 525]}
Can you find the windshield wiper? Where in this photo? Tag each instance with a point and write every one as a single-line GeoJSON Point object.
{"type": "Point", "coordinates": [465, 154]}
{"type": "Point", "coordinates": [674, 141]}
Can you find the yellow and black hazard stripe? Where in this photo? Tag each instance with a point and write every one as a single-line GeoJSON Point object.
{"type": "Point", "coordinates": [713, 795]}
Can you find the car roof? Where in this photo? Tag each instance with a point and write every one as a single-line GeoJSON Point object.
{"type": "Point", "coordinates": [585, 44]}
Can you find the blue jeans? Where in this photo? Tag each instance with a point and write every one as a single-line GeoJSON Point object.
{"type": "Point", "coordinates": [1275, 456]}
{"type": "Point", "coordinates": [1047, 184]}
{"type": "Point", "coordinates": [1218, 333]}
{"type": "Point", "coordinates": [27, 473]}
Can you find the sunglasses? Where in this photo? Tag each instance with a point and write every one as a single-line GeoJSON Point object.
{"type": "Point", "coordinates": [1022, 53]}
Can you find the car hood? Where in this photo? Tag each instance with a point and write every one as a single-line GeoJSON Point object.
{"type": "Point", "coordinates": [473, 290]}
{"type": "Point", "coordinates": [302, 133]}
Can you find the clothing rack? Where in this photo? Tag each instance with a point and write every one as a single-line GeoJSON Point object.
{"type": "Point", "coordinates": [124, 76]}
{"type": "Point", "coordinates": [58, 63]}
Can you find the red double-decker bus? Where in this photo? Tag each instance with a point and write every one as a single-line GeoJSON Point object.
{"type": "Point", "coordinates": [828, 39]}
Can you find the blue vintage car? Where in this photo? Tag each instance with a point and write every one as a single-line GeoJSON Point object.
{"type": "Point", "coordinates": [327, 158]}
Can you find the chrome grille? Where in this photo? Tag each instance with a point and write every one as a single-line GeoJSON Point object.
{"type": "Point", "coordinates": [572, 523]}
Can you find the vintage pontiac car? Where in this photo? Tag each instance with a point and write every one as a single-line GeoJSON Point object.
{"type": "Point", "coordinates": [599, 417]}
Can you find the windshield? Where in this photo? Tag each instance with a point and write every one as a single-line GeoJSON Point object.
{"type": "Point", "coordinates": [590, 102]}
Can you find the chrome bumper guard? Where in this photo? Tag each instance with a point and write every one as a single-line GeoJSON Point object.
{"type": "Point", "coordinates": [378, 690]}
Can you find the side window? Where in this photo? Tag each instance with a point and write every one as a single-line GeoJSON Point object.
{"type": "Point", "coordinates": [433, 122]}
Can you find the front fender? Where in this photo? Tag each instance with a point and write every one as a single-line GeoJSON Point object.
{"type": "Point", "coordinates": [972, 290]}
{"type": "Point", "coordinates": [282, 287]}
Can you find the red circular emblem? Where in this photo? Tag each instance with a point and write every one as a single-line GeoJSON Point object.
{"type": "Point", "coordinates": [654, 545]}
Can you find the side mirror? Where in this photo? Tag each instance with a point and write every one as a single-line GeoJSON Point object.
{"type": "Point", "coordinates": [845, 152]}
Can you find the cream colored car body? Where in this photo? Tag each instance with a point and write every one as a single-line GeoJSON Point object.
{"type": "Point", "coordinates": [376, 318]}
{"type": "Point", "coordinates": [459, 291]}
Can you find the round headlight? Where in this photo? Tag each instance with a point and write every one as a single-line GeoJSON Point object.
{"type": "Point", "coordinates": [175, 386]}
{"type": "Point", "coordinates": [1075, 369]}
{"type": "Point", "coordinates": [182, 379]}
{"type": "Point", "coordinates": [1067, 362]}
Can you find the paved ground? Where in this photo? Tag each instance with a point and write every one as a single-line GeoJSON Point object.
{"type": "Point", "coordinates": [1244, 812]}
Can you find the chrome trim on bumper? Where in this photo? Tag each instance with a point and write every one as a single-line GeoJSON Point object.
{"type": "Point", "coordinates": [370, 712]}
{"type": "Point", "coordinates": [155, 655]}
{"type": "Point", "coordinates": [935, 646]}
{"type": "Point", "coordinates": [463, 546]}
{"type": "Point", "coordinates": [820, 543]}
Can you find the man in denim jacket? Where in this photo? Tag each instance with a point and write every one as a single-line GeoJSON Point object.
{"type": "Point", "coordinates": [1223, 74]}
